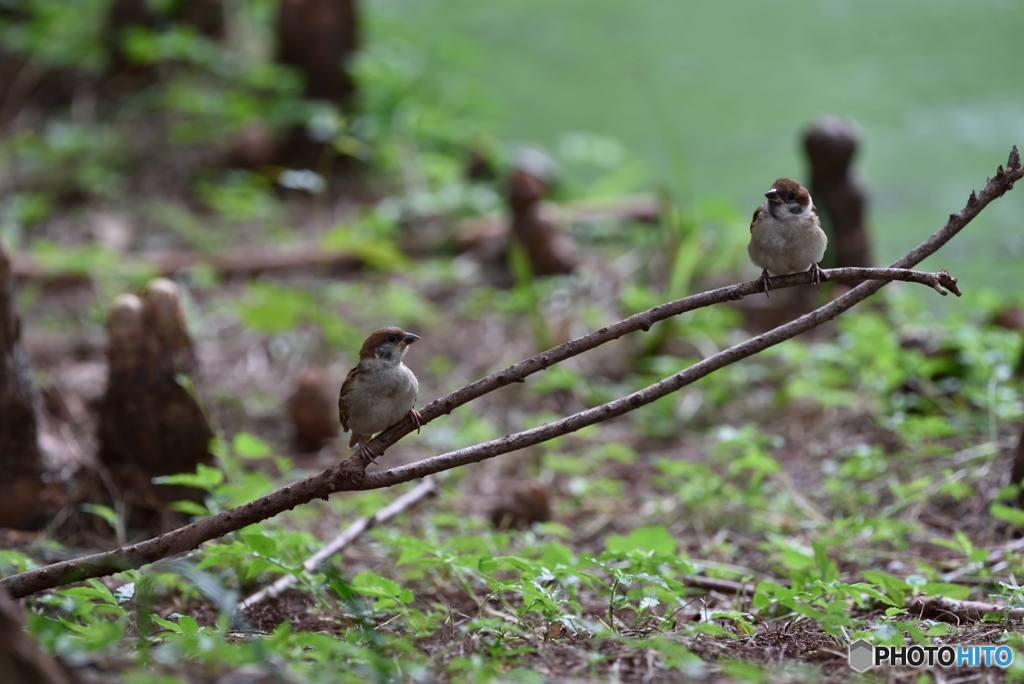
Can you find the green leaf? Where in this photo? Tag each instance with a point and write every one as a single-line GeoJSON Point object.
{"type": "Point", "coordinates": [940, 629]}
{"type": "Point", "coordinates": [414, 549]}
{"type": "Point", "coordinates": [166, 624]}
{"type": "Point", "coordinates": [250, 446]}
{"type": "Point", "coordinates": [806, 610]}
{"type": "Point", "coordinates": [953, 591]}
{"type": "Point", "coordinates": [371, 584]}
{"type": "Point", "coordinates": [74, 626]}
{"type": "Point", "coordinates": [12, 562]}
{"type": "Point", "coordinates": [205, 477]}
{"type": "Point", "coordinates": [894, 587]}
{"type": "Point", "coordinates": [1014, 516]}
{"type": "Point", "coordinates": [519, 564]}
{"type": "Point", "coordinates": [714, 630]}
{"type": "Point", "coordinates": [874, 593]}
{"type": "Point", "coordinates": [189, 627]}
{"type": "Point", "coordinates": [653, 538]}
{"type": "Point", "coordinates": [556, 554]}
{"type": "Point", "coordinates": [105, 512]}
{"type": "Point", "coordinates": [255, 567]}
{"type": "Point", "coordinates": [555, 529]}
{"type": "Point", "coordinates": [92, 592]}
{"type": "Point", "coordinates": [379, 252]}
{"type": "Point", "coordinates": [190, 508]}
{"type": "Point", "coordinates": [827, 569]}
{"type": "Point", "coordinates": [273, 309]}
{"type": "Point", "coordinates": [260, 543]}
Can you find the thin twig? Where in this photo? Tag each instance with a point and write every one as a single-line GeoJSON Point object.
{"type": "Point", "coordinates": [350, 475]}
{"type": "Point", "coordinates": [352, 532]}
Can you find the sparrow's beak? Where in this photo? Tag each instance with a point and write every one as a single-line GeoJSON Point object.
{"type": "Point", "coordinates": [773, 195]}
{"type": "Point", "coordinates": [409, 339]}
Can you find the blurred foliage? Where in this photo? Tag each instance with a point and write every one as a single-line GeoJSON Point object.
{"type": "Point", "coordinates": [58, 33]}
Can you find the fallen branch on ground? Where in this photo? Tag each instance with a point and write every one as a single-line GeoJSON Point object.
{"type": "Point", "coordinates": [926, 607]}
{"type": "Point", "coordinates": [249, 261]}
{"type": "Point", "coordinates": [953, 610]}
{"type": "Point", "coordinates": [231, 262]}
{"type": "Point", "coordinates": [350, 475]}
{"type": "Point", "coordinates": [352, 532]}
{"type": "Point", "coordinates": [724, 586]}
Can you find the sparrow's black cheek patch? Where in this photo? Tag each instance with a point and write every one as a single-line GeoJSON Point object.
{"type": "Point", "coordinates": [795, 208]}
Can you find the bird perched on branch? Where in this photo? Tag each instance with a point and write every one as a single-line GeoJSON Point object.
{"type": "Point", "coordinates": [786, 235]}
{"type": "Point", "coordinates": [380, 391]}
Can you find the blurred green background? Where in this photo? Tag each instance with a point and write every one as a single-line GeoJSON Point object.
{"type": "Point", "coordinates": [714, 96]}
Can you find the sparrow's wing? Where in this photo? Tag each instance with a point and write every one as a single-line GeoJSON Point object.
{"type": "Point", "coordinates": [757, 212]}
{"type": "Point", "coordinates": [347, 387]}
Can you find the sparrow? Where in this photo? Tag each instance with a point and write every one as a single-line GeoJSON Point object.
{"type": "Point", "coordinates": [786, 235]}
{"type": "Point", "coordinates": [380, 391]}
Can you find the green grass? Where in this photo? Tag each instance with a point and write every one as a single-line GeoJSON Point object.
{"type": "Point", "coordinates": [713, 96]}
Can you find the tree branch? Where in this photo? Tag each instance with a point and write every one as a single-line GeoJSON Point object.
{"type": "Point", "coordinates": [940, 282]}
{"type": "Point", "coordinates": [352, 532]}
{"type": "Point", "coordinates": [350, 475]}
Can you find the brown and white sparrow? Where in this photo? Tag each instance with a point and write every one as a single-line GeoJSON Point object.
{"type": "Point", "coordinates": [380, 391]}
{"type": "Point", "coordinates": [786, 235]}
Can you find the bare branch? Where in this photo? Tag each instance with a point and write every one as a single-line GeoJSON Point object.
{"type": "Point", "coordinates": [352, 532]}
{"type": "Point", "coordinates": [350, 475]}
{"type": "Point", "coordinates": [612, 409]}
{"type": "Point", "coordinates": [940, 282]}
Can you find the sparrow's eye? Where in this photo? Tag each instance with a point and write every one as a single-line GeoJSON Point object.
{"type": "Point", "coordinates": [790, 196]}
{"type": "Point", "coordinates": [392, 338]}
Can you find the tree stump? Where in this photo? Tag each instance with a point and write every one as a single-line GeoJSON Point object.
{"type": "Point", "coordinates": [831, 144]}
{"type": "Point", "coordinates": [150, 422]}
{"type": "Point", "coordinates": [1017, 471]}
{"type": "Point", "coordinates": [27, 501]}
{"type": "Point", "coordinates": [319, 38]}
{"type": "Point", "coordinates": [524, 505]}
{"type": "Point", "coordinates": [549, 251]}
{"type": "Point", "coordinates": [21, 661]}
{"type": "Point", "coordinates": [313, 409]}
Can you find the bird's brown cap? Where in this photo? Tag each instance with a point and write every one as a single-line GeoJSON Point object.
{"type": "Point", "coordinates": [788, 190]}
{"type": "Point", "coordinates": [393, 335]}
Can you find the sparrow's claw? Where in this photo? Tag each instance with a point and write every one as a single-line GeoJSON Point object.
{"type": "Point", "coordinates": [417, 419]}
{"type": "Point", "coordinates": [366, 452]}
{"type": "Point", "coordinates": [817, 275]}
{"type": "Point", "coordinates": [766, 283]}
